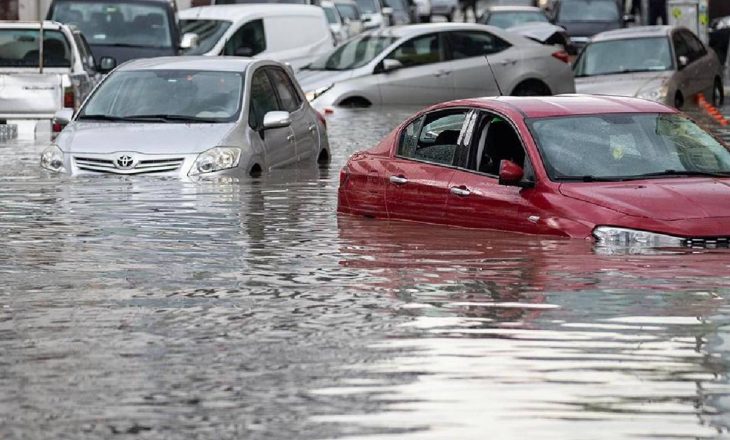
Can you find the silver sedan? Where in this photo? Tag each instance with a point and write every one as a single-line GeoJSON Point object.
{"type": "Point", "coordinates": [430, 63]}
{"type": "Point", "coordinates": [190, 117]}
{"type": "Point", "coordinates": [660, 63]}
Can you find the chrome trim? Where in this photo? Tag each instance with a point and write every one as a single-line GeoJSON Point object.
{"type": "Point", "coordinates": [144, 163]}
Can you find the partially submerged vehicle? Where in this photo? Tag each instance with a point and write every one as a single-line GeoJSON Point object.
{"type": "Point", "coordinates": [44, 66]}
{"type": "Point", "coordinates": [190, 117]}
{"type": "Point", "coordinates": [620, 171]}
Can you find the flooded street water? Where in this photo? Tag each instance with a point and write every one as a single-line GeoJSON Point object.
{"type": "Point", "coordinates": [155, 308]}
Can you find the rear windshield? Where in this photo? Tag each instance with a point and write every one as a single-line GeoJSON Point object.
{"type": "Point", "coordinates": [209, 33]}
{"type": "Point", "coordinates": [114, 23]}
{"type": "Point", "coordinates": [21, 48]}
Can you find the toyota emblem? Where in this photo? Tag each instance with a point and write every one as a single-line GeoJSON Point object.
{"type": "Point", "coordinates": [124, 162]}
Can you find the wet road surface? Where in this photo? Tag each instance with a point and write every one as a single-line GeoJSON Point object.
{"type": "Point", "coordinates": [155, 308]}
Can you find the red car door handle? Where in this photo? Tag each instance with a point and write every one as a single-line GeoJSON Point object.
{"type": "Point", "coordinates": [398, 180]}
{"type": "Point", "coordinates": [460, 191]}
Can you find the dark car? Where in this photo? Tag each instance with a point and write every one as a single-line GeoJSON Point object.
{"type": "Point", "coordinates": [585, 18]}
{"type": "Point", "coordinates": [122, 30]}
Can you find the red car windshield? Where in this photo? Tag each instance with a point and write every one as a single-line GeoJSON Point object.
{"type": "Point", "coordinates": [627, 146]}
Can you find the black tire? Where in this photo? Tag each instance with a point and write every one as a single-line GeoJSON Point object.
{"type": "Point", "coordinates": [531, 88]}
{"type": "Point", "coordinates": [718, 93]}
{"type": "Point", "coordinates": [355, 102]}
{"type": "Point", "coordinates": [678, 100]}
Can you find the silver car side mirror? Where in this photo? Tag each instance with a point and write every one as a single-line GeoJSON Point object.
{"type": "Point", "coordinates": [276, 119]}
{"type": "Point", "coordinates": [390, 64]}
{"type": "Point", "coordinates": [189, 40]}
{"type": "Point", "coordinates": [63, 116]}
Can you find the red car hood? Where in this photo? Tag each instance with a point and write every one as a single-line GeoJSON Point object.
{"type": "Point", "coordinates": [667, 199]}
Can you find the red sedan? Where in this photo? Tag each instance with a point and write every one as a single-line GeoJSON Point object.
{"type": "Point", "coordinates": [620, 170]}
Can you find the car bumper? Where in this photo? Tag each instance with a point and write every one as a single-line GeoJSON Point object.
{"type": "Point", "coordinates": [166, 165]}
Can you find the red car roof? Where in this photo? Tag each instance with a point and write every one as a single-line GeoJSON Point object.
{"type": "Point", "coordinates": [566, 105]}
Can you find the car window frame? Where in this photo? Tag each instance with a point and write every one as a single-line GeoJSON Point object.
{"type": "Point", "coordinates": [698, 52]}
{"type": "Point", "coordinates": [482, 114]}
{"type": "Point", "coordinates": [441, 40]}
{"type": "Point", "coordinates": [84, 51]}
{"type": "Point", "coordinates": [292, 88]}
{"type": "Point", "coordinates": [679, 38]}
{"type": "Point", "coordinates": [420, 119]}
{"type": "Point", "coordinates": [261, 69]}
{"type": "Point", "coordinates": [449, 48]}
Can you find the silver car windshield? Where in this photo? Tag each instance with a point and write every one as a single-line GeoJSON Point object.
{"type": "Point", "coordinates": [508, 19]}
{"type": "Point", "coordinates": [588, 10]}
{"type": "Point", "coordinates": [21, 48]}
{"type": "Point", "coordinates": [627, 146]}
{"type": "Point", "coordinates": [624, 56]}
{"type": "Point", "coordinates": [353, 54]}
{"type": "Point", "coordinates": [116, 23]}
{"type": "Point", "coordinates": [167, 96]}
{"type": "Point", "coordinates": [209, 33]}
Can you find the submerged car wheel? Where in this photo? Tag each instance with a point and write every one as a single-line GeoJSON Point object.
{"type": "Point", "coordinates": [324, 157]}
{"type": "Point", "coordinates": [718, 93]}
{"type": "Point", "coordinates": [678, 100]}
{"type": "Point", "coordinates": [355, 102]}
{"type": "Point", "coordinates": [531, 87]}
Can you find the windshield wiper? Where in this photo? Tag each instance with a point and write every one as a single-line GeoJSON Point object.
{"type": "Point", "coordinates": [680, 173]}
{"type": "Point", "coordinates": [100, 117]}
{"type": "Point", "coordinates": [589, 178]}
{"type": "Point", "coordinates": [171, 118]}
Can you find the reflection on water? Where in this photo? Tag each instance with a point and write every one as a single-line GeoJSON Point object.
{"type": "Point", "coordinates": [167, 309]}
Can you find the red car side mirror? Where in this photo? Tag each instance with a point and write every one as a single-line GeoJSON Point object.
{"type": "Point", "coordinates": [510, 173]}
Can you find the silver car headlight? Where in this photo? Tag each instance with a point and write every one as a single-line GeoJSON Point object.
{"type": "Point", "coordinates": [52, 159]}
{"type": "Point", "coordinates": [653, 92]}
{"type": "Point", "coordinates": [216, 159]}
{"type": "Point", "coordinates": [612, 236]}
{"type": "Point", "coordinates": [316, 93]}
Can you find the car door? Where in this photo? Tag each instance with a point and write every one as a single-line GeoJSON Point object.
{"type": "Point", "coordinates": [703, 63]}
{"type": "Point", "coordinates": [425, 75]}
{"type": "Point", "coordinates": [470, 72]}
{"type": "Point", "coordinates": [279, 143]}
{"type": "Point", "coordinates": [687, 73]}
{"type": "Point", "coordinates": [418, 176]}
{"type": "Point", "coordinates": [475, 197]}
{"type": "Point", "coordinates": [302, 121]}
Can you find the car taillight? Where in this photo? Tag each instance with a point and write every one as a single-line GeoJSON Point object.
{"type": "Point", "coordinates": [562, 56]}
{"type": "Point", "coordinates": [69, 98]}
{"type": "Point", "coordinates": [56, 127]}
{"type": "Point", "coordinates": [321, 118]}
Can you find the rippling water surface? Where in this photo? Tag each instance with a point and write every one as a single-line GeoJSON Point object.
{"type": "Point", "coordinates": [155, 308]}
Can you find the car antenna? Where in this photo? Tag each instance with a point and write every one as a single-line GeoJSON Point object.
{"type": "Point", "coordinates": [499, 89]}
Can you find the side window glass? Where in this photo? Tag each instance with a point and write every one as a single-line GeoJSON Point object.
{"type": "Point", "coordinates": [496, 140]}
{"type": "Point", "coordinates": [433, 138]}
{"type": "Point", "coordinates": [247, 41]}
{"type": "Point", "coordinates": [419, 51]}
{"type": "Point", "coordinates": [84, 52]}
{"type": "Point", "coordinates": [696, 47]}
{"type": "Point", "coordinates": [474, 44]}
{"type": "Point", "coordinates": [263, 99]}
{"type": "Point", "coordinates": [285, 89]}
{"type": "Point", "coordinates": [680, 47]}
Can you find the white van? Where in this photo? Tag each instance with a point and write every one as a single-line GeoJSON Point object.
{"type": "Point", "coordinates": [294, 34]}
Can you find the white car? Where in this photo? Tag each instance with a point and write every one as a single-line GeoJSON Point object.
{"type": "Point", "coordinates": [429, 63]}
{"type": "Point", "coordinates": [294, 34]}
{"type": "Point", "coordinates": [423, 10]}
{"type": "Point", "coordinates": [190, 117]}
{"type": "Point", "coordinates": [34, 87]}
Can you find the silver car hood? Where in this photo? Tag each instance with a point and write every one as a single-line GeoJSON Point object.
{"type": "Point", "coordinates": [623, 84]}
{"type": "Point", "coordinates": [147, 138]}
{"type": "Point", "coordinates": [316, 79]}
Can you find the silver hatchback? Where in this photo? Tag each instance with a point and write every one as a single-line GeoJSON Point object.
{"type": "Point", "coordinates": [191, 117]}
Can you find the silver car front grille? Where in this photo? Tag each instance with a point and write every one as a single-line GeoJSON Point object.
{"type": "Point", "coordinates": [142, 165]}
